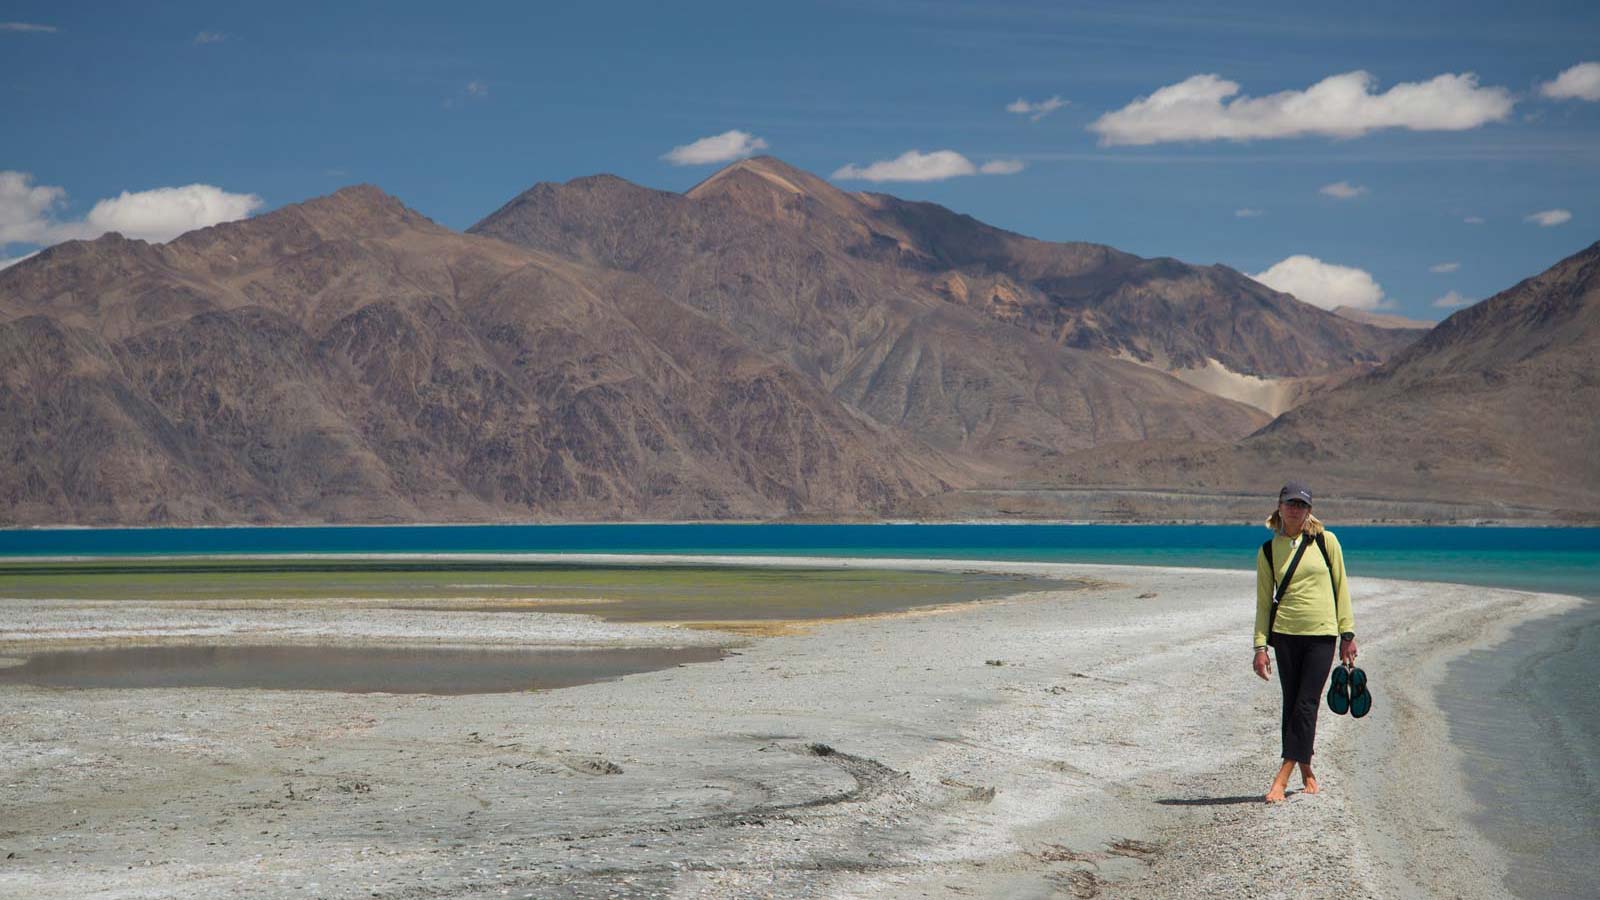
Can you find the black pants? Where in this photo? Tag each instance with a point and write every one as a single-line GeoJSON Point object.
{"type": "Point", "coordinates": [1304, 661]}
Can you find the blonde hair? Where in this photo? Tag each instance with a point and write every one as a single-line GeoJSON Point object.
{"type": "Point", "coordinates": [1312, 527]}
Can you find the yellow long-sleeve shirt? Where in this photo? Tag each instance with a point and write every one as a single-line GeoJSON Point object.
{"type": "Point", "coordinates": [1308, 605]}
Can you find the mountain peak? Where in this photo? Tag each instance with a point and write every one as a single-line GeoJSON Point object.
{"type": "Point", "coordinates": [774, 170]}
{"type": "Point", "coordinates": [110, 251]}
{"type": "Point", "coordinates": [357, 211]}
{"type": "Point", "coordinates": [358, 203]}
{"type": "Point", "coordinates": [766, 183]}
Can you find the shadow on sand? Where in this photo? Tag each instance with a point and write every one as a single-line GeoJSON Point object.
{"type": "Point", "coordinates": [1209, 801]}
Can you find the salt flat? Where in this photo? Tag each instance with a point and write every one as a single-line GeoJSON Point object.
{"type": "Point", "coordinates": [1108, 740]}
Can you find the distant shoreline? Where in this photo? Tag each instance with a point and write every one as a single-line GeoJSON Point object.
{"type": "Point", "coordinates": [1375, 523]}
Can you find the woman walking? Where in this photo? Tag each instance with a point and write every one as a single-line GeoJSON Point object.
{"type": "Point", "coordinates": [1302, 607]}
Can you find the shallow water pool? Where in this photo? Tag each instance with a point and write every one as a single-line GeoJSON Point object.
{"type": "Point", "coordinates": [395, 670]}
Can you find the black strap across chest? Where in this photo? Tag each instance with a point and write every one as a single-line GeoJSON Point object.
{"type": "Point", "coordinates": [1288, 574]}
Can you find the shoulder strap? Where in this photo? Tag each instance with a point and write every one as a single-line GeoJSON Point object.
{"type": "Point", "coordinates": [1322, 544]}
{"type": "Point", "coordinates": [1277, 595]}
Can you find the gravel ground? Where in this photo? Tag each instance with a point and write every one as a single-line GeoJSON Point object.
{"type": "Point", "coordinates": [1108, 741]}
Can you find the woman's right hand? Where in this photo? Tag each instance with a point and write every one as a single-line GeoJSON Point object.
{"type": "Point", "coordinates": [1263, 665]}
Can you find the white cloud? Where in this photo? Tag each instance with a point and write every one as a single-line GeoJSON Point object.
{"type": "Point", "coordinates": [1581, 82]}
{"type": "Point", "coordinates": [1338, 106]}
{"type": "Point", "coordinates": [1452, 300]}
{"type": "Point", "coordinates": [1323, 284]}
{"type": "Point", "coordinates": [1442, 268]}
{"type": "Point", "coordinates": [8, 262]}
{"type": "Point", "coordinates": [1474, 220]}
{"type": "Point", "coordinates": [477, 89]}
{"type": "Point", "coordinates": [27, 212]}
{"type": "Point", "coordinates": [1343, 190]}
{"type": "Point", "coordinates": [912, 165]}
{"type": "Point", "coordinates": [164, 213]}
{"type": "Point", "coordinates": [27, 26]}
{"type": "Point", "coordinates": [1549, 218]}
{"type": "Point", "coordinates": [210, 37]}
{"type": "Point", "coordinates": [1001, 167]}
{"type": "Point", "coordinates": [1249, 213]}
{"type": "Point", "coordinates": [717, 148]}
{"type": "Point", "coordinates": [1036, 110]}
{"type": "Point", "coordinates": [25, 209]}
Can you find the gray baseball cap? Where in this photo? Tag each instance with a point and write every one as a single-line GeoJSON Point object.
{"type": "Point", "coordinates": [1295, 490]}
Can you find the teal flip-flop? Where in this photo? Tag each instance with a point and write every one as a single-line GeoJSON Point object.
{"type": "Point", "coordinates": [1360, 697]}
{"type": "Point", "coordinates": [1339, 691]}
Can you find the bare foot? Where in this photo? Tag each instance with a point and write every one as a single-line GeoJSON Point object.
{"type": "Point", "coordinates": [1309, 779]}
{"type": "Point", "coordinates": [1280, 783]}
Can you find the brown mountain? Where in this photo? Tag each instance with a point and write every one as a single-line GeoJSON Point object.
{"type": "Point", "coordinates": [346, 359]}
{"type": "Point", "coordinates": [797, 265]}
{"type": "Point", "coordinates": [820, 278]}
{"type": "Point", "coordinates": [763, 345]}
{"type": "Point", "coordinates": [1492, 414]}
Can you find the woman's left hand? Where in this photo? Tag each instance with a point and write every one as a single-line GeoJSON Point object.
{"type": "Point", "coordinates": [1347, 652]}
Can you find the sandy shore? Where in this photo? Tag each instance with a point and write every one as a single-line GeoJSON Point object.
{"type": "Point", "coordinates": [1118, 749]}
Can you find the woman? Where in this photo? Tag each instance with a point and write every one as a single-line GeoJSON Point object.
{"type": "Point", "coordinates": [1313, 611]}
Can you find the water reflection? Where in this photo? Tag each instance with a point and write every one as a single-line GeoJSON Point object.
{"type": "Point", "coordinates": [396, 670]}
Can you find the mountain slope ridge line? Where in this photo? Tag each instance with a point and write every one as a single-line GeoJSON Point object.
{"type": "Point", "coordinates": [769, 347]}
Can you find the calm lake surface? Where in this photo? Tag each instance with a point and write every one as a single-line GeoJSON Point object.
{"type": "Point", "coordinates": [1527, 713]}
{"type": "Point", "coordinates": [1565, 560]}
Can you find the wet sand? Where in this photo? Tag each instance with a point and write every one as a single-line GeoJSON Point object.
{"type": "Point", "coordinates": [1108, 741]}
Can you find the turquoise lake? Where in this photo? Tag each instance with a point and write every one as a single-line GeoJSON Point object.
{"type": "Point", "coordinates": [1565, 560]}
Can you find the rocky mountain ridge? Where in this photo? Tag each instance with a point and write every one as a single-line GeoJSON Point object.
{"type": "Point", "coordinates": [346, 359]}
{"type": "Point", "coordinates": [764, 345]}
{"type": "Point", "coordinates": [803, 272]}
{"type": "Point", "coordinates": [1489, 416]}
{"type": "Point", "coordinates": [1080, 295]}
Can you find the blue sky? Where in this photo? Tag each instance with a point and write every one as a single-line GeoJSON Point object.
{"type": "Point", "coordinates": [455, 108]}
